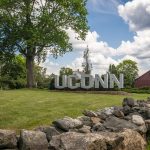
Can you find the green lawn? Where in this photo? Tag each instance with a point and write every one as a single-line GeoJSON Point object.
{"type": "Point", "coordinates": [30, 108]}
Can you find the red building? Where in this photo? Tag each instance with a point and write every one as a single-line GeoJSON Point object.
{"type": "Point", "coordinates": [143, 81]}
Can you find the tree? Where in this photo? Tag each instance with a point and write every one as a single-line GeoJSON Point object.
{"type": "Point", "coordinates": [113, 69]}
{"type": "Point", "coordinates": [34, 27]}
{"type": "Point", "coordinates": [130, 70]}
{"type": "Point", "coordinates": [39, 74]}
{"type": "Point", "coordinates": [65, 71]}
{"type": "Point", "coordinates": [13, 72]}
{"type": "Point", "coordinates": [87, 66]}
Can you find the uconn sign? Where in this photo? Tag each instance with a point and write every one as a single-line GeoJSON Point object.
{"type": "Point", "coordinates": [74, 82]}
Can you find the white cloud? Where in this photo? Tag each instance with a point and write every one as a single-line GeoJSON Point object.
{"type": "Point", "coordinates": [51, 67]}
{"type": "Point", "coordinates": [140, 47]}
{"type": "Point", "coordinates": [100, 52]}
{"type": "Point", "coordinates": [136, 13]}
{"type": "Point", "coordinates": [93, 42]}
{"type": "Point", "coordinates": [102, 55]}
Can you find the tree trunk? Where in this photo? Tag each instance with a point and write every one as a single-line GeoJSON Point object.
{"type": "Point", "coordinates": [30, 73]}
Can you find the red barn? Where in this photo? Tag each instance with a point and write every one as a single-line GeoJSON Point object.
{"type": "Point", "coordinates": [143, 81]}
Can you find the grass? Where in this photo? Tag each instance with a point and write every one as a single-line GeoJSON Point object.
{"type": "Point", "coordinates": [31, 108]}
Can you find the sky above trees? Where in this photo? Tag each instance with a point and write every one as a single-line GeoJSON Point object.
{"type": "Point", "coordinates": [119, 30]}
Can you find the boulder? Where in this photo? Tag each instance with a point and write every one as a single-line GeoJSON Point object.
{"type": "Point", "coordinates": [129, 102]}
{"type": "Point", "coordinates": [85, 120]}
{"type": "Point", "coordinates": [118, 113]}
{"type": "Point", "coordinates": [138, 120]}
{"type": "Point", "coordinates": [8, 139]}
{"type": "Point", "coordinates": [33, 140]}
{"type": "Point", "coordinates": [85, 129]}
{"type": "Point", "coordinates": [124, 140]}
{"type": "Point", "coordinates": [68, 123]}
{"type": "Point", "coordinates": [126, 110]}
{"type": "Point", "coordinates": [95, 120]}
{"type": "Point", "coordinates": [79, 141]}
{"type": "Point", "coordinates": [49, 131]}
{"type": "Point", "coordinates": [132, 141]}
{"type": "Point", "coordinates": [117, 124]}
{"type": "Point", "coordinates": [101, 115]}
{"type": "Point", "coordinates": [89, 113]}
{"type": "Point", "coordinates": [98, 127]}
{"type": "Point", "coordinates": [108, 111]}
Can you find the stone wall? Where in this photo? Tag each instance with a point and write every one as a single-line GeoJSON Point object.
{"type": "Point", "coordinates": [115, 128]}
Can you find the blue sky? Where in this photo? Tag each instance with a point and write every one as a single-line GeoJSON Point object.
{"type": "Point", "coordinates": [106, 22]}
{"type": "Point", "coordinates": [116, 33]}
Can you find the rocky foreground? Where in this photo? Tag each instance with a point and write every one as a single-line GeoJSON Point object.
{"type": "Point", "coordinates": [114, 128]}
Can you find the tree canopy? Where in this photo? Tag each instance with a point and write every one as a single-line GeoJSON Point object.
{"type": "Point", "coordinates": [35, 27]}
{"type": "Point", "coordinates": [130, 70]}
{"type": "Point", "coordinates": [127, 67]}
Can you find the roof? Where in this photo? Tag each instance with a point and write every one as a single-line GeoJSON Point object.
{"type": "Point", "coordinates": [142, 75]}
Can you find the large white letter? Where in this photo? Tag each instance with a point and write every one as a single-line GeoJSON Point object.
{"type": "Point", "coordinates": [114, 80]}
{"type": "Point", "coordinates": [70, 84]}
{"type": "Point", "coordinates": [90, 80]}
{"type": "Point", "coordinates": [98, 79]}
{"type": "Point", "coordinates": [64, 82]}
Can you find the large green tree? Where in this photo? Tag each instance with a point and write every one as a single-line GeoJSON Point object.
{"type": "Point", "coordinates": [34, 27]}
{"type": "Point", "coordinates": [130, 70]}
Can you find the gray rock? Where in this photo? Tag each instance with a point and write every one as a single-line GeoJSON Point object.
{"type": "Point", "coordinates": [108, 111]}
{"type": "Point", "coordinates": [101, 115]}
{"type": "Point", "coordinates": [128, 118]}
{"type": "Point", "coordinates": [85, 129]}
{"type": "Point", "coordinates": [8, 139]}
{"type": "Point", "coordinates": [148, 105]}
{"type": "Point", "coordinates": [125, 140]}
{"type": "Point", "coordinates": [142, 103]}
{"type": "Point", "coordinates": [126, 110]}
{"type": "Point", "coordinates": [142, 129]}
{"type": "Point", "coordinates": [49, 131]}
{"type": "Point", "coordinates": [68, 123]}
{"type": "Point", "coordinates": [98, 127]}
{"type": "Point", "coordinates": [33, 140]}
{"type": "Point", "coordinates": [89, 141]}
{"type": "Point", "coordinates": [117, 124]}
{"type": "Point", "coordinates": [118, 113]}
{"type": "Point", "coordinates": [89, 113]}
{"type": "Point", "coordinates": [128, 102]}
{"type": "Point", "coordinates": [138, 120]}
{"type": "Point", "coordinates": [85, 120]}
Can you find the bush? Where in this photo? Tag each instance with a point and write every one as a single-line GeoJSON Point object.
{"type": "Point", "coordinates": [7, 83]}
{"type": "Point", "coordinates": [145, 90]}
